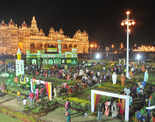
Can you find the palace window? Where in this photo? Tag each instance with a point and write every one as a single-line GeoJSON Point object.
{"type": "Point", "coordinates": [32, 45]}
{"type": "Point", "coordinates": [65, 46]}
{"type": "Point", "coordinates": [46, 45]}
{"type": "Point", "coordinates": [70, 45]}
{"type": "Point", "coordinates": [41, 46]}
{"type": "Point", "coordinates": [75, 46]}
{"type": "Point", "coordinates": [52, 46]}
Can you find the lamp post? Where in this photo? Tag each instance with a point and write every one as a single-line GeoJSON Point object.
{"type": "Point", "coordinates": [138, 57]}
{"type": "Point", "coordinates": [128, 23]}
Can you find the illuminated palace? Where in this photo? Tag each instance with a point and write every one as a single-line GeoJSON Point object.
{"type": "Point", "coordinates": [32, 38]}
{"type": "Point", "coordinates": [144, 48]}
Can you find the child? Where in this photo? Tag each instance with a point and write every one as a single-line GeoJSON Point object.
{"type": "Point", "coordinates": [18, 96]}
{"type": "Point", "coordinates": [24, 101]}
{"type": "Point", "coordinates": [68, 117]}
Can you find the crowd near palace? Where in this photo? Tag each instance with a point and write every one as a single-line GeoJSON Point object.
{"type": "Point", "coordinates": [32, 38]}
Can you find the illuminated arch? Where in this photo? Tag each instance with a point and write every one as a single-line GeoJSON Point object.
{"type": "Point", "coordinates": [125, 97]}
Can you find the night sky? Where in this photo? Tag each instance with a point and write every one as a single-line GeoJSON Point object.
{"type": "Point", "coordinates": [100, 18]}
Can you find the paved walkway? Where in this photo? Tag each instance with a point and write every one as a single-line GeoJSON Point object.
{"type": "Point", "coordinates": [59, 116]}
{"type": "Point", "coordinates": [11, 102]}
{"type": "Point", "coordinates": [6, 98]}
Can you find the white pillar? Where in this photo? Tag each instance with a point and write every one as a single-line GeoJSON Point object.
{"type": "Point", "coordinates": [92, 101]}
{"type": "Point", "coordinates": [127, 109]}
{"type": "Point", "coordinates": [127, 50]}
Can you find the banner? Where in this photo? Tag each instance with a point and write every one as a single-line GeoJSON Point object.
{"type": "Point", "coordinates": [48, 86]}
{"type": "Point", "coordinates": [23, 79]}
{"type": "Point", "coordinates": [97, 98]}
{"type": "Point", "coordinates": [19, 67]}
{"type": "Point", "coordinates": [34, 84]}
{"type": "Point", "coordinates": [49, 90]}
{"type": "Point", "coordinates": [52, 50]}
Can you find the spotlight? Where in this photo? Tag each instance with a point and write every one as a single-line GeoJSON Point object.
{"type": "Point", "coordinates": [98, 56]}
{"type": "Point", "coordinates": [138, 57]}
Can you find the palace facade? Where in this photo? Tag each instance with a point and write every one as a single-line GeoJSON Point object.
{"type": "Point", "coordinates": [33, 39]}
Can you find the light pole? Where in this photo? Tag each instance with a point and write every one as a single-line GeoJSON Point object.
{"type": "Point", "coordinates": [138, 57]}
{"type": "Point", "coordinates": [128, 22]}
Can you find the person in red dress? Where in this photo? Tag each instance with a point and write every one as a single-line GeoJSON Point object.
{"type": "Point", "coordinates": [31, 96]}
{"type": "Point", "coordinates": [121, 110]}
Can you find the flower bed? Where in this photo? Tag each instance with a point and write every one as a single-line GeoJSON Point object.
{"type": "Point", "coordinates": [77, 100]}
{"type": "Point", "coordinates": [41, 108]}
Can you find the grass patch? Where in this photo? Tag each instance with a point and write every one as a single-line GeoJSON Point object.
{"type": "Point", "coordinates": [6, 118]}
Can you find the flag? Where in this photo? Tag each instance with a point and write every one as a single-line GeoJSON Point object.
{"type": "Point", "coordinates": [46, 86]}
{"type": "Point", "coordinates": [97, 98]}
{"type": "Point", "coordinates": [49, 90]}
{"type": "Point", "coordinates": [31, 85]}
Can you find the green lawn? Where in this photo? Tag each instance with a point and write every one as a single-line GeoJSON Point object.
{"type": "Point", "coordinates": [5, 118]}
{"type": "Point", "coordinates": [151, 77]}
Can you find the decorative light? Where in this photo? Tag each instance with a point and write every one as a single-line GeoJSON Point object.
{"type": "Point", "coordinates": [126, 22]}
{"type": "Point", "coordinates": [128, 12]}
{"type": "Point", "coordinates": [144, 48]}
{"type": "Point", "coordinates": [112, 46]}
{"type": "Point", "coordinates": [121, 45]}
{"type": "Point", "coordinates": [95, 45]}
{"type": "Point", "coordinates": [133, 22]}
{"type": "Point", "coordinates": [91, 45]}
{"type": "Point", "coordinates": [129, 30]}
{"type": "Point", "coordinates": [122, 24]}
{"type": "Point", "coordinates": [129, 23]}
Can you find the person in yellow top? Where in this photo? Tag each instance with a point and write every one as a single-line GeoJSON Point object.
{"type": "Point", "coordinates": [18, 96]}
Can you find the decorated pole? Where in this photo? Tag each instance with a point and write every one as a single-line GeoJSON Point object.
{"type": "Point", "coordinates": [19, 64]}
{"type": "Point", "coordinates": [59, 47]}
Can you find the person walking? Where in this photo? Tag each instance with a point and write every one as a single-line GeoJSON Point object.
{"type": "Point", "coordinates": [114, 78]}
{"type": "Point", "coordinates": [146, 76]}
{"type": "Point", "coordinates": [99, 116]}
{"type": "Point", "coordinates": [18, 96]}
{"type": "Point", "coordinates": [24, 102]}
{"type": "Point", "coordinates": [67, 105]}
{"type": "Point", "coordinates": [31, 97]}
{"type": "Point", "coordinates": [68, 117]}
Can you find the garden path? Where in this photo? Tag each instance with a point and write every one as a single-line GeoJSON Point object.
{"type": "Point", "coordinates": [58, 116]}
{"type": "Point", "coordinates": [11, 102]}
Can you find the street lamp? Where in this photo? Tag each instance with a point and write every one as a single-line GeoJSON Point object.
{"type": "Point", "coordinates": [98, 56]}
{"type": "Point", "coordinates": [128, 23]}
{"type": "Point", "coordinates": [138, 57]}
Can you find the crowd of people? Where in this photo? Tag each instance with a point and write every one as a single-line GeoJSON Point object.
{"type": "Point", "coordinates": [85, 76]}
{"type": "Point", "coordinates": [82, 72]}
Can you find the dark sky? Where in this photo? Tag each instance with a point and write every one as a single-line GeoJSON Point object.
{"type": "Point", "coordinates": [100, 18]}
